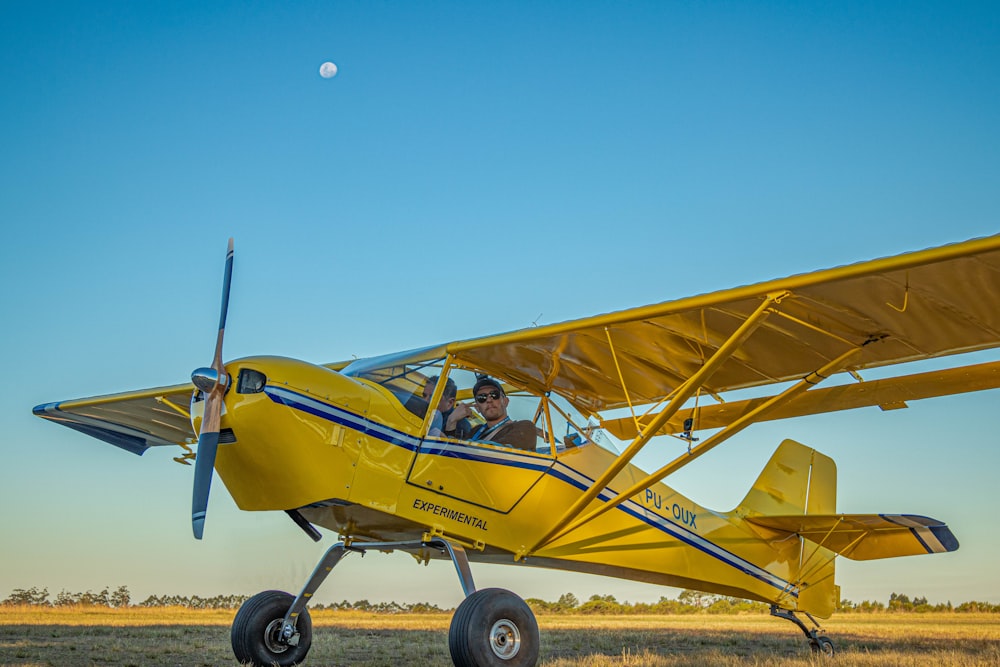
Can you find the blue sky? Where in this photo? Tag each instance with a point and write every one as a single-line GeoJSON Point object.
{"type": "Point", "coordinates": [469, 170]}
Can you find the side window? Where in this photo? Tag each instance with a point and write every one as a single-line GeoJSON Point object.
{"type": "Point", "coordinates": [572, 429]}
{"type": "Point", "coordinates": [563, 426]}
{"type": "Point", "coordinates": [557, 424]}
{"type": "Point", "coordinates": [528, 407]}
{"type": "Point", "coordinates": [521, 405]}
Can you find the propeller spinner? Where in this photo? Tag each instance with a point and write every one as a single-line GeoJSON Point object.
{"type": "Point", "coordinates": [213, 381]}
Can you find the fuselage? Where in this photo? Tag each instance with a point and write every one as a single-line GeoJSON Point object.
{"type": "Point", "coordinates": [349, 455]}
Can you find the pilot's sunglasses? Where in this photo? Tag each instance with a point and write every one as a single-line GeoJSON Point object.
{"type": "Point", "coordinates": [481, 398]}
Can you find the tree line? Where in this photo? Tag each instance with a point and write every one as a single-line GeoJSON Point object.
{"type": "Point", "coordinates": [688, 602]}
{"type": "Point", "coordinates": [121, 598]}
{"type": "Point", "coordinates": [899, 602]}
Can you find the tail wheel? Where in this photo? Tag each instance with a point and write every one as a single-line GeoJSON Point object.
{"type": "Point", "coordinates": [256, 633]}
{"type": "Point", "coordinates": [493, 628]}
{"type": "Point", "coordinates": [822, 645]}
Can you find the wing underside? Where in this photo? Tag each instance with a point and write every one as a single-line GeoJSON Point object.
{"type": "Point", "coordinates": [133, 420]}
{"type": "Point", "coordinates": [888, 394]}
{"type": "Point", "coordinates": [910, 307]}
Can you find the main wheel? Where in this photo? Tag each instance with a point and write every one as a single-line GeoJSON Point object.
{"type": "Point", "coordinates": [493, 628]}
{"type": "Point", "coordinates": [822, 645]}
{"type": "Point", "coordinates": [256, 633]}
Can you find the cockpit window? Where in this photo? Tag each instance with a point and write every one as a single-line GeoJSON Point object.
{"type": "Point", "coordinates": [406, 382]}
{"type": "Point", "coordinates": [571, 429]}
{"type": "Point", "coordinates": [558, 425]}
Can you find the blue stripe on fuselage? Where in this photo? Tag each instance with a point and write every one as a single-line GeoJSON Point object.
{"type": "Point", "coordinates": [350, 420]}
{"type": "Point", "coordinates": [556, 469]}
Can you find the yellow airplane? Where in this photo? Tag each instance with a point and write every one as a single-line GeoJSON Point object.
{"type": "Point", "coordinates": [387, 453]}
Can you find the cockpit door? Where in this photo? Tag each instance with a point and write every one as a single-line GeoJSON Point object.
{"type": "Point", "coordinates": [490, 476]}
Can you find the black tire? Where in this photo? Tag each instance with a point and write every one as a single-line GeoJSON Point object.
{"type": "Point", "coordinates": [493, 628]}
{"type": "Point", "coordinates": [822, 645]}
{"type": "Point", "coordinates": [257, 627]}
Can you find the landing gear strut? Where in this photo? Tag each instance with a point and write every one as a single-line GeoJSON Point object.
{"type": "Point", "coordinates": [491, 628]}
{"type": "Point", "coordinates": [820, 644]}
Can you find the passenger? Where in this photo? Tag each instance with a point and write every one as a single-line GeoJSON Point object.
{"type": "Point", "coordinates": [443, 423]}
{"type": "Point", "coordinates": [491, 402]}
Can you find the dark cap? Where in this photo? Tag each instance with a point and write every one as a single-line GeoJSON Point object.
{"type": "Point", "coordinates": [485, 381]}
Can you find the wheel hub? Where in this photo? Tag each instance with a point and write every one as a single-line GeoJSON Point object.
{"type": "Point", "coordinates": [272, 636]}
{"type": "Point", "coordinates": [505, 639]}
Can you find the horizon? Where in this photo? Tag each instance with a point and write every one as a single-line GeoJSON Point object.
{"type": "Point", "coordinates": [40, 598]}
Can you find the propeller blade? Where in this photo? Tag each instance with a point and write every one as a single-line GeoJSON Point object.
{"type": "Point", "coordinates": [226, 282]}
{"type": "Point", "coordinates": [213, 382]}
{"type": "Point", "coordinates": [204, 464]}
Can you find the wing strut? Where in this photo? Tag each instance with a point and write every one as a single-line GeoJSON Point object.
{"type": "Point", "coordinates": [774, 402]}
{"type": "Point", "coordinates": [684, 392]}
{"type": "Point", "coordinates": [621, 378]}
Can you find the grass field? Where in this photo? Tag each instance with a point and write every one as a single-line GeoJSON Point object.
{"type": "Point", "coordinates": [30, 637]}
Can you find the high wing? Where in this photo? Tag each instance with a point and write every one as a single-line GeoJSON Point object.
{"type": "Point", "coordinates": [134, 420]}
{"type": "Point", "coordinates": [920, 305]}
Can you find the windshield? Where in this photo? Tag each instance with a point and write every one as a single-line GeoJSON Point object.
{"type": "Point", "coordinates": [405, 381]}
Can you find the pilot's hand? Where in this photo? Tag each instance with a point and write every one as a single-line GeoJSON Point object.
{"type": "Point", "coordinates": [461, 411]}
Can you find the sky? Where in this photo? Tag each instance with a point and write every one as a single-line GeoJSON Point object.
{"type": "Point", "coordinates": [469, 170]}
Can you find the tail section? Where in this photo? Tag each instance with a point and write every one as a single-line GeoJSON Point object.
{"type": "Point", "coordinates": [795, 498]}
{"type": "Point", "coordinates": [798, 481]}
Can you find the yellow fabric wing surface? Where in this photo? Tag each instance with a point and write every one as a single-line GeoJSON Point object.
{"type": "Point", "coordinates": [134, 420]}
{"type": "Point", "coordinates": [889, 394]}
{"type": "Point", "coordinates": [925, 304]}
{"type": "Point", "coordinates": [920, 305]}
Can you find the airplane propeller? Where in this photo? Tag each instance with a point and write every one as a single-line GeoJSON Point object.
{"type": "Point", "coordinates": [213, 381]}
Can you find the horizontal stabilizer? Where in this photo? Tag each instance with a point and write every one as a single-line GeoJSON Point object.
{"type": "Point", "coordinates": [866, 536]}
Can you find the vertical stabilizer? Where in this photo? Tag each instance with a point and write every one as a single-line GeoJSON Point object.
{"type": "Point", "coordinates": [798, 480]}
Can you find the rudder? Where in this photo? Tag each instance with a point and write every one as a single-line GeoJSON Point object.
{"type": "Point", "coordinates": [796, 480]}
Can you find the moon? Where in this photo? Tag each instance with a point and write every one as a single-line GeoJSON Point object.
{"type": "Point", "coordinates": [328, 70]}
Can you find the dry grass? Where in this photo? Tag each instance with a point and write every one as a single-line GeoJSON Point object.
{"type": "Point", "coordinates": [88, 637]}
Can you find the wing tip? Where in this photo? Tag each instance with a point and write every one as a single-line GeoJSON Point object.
{"type": "Point", "coordinates": [944, 540]}
{"type": "Point", "coordinates": [45, 409]}
{"type": "Point", "coordinates": [945, 537]}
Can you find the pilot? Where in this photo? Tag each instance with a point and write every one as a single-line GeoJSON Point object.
{"type": "Point", "coordinates": [443, 423]}
{"type": "Point", "coordinates": [491, 402]}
